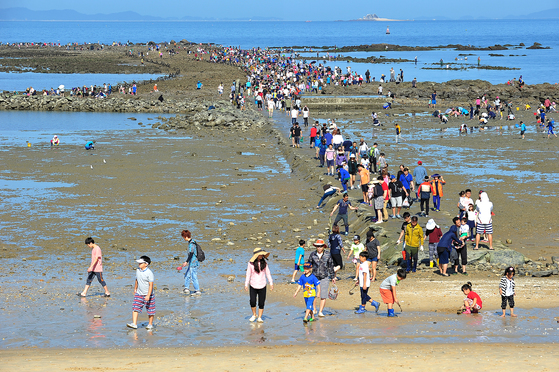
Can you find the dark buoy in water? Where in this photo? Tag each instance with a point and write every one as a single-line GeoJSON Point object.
{"type": "Point", "coordinates": [387, 30]}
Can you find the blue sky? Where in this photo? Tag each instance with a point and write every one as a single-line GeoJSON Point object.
{"type": "Point", "coordinates": [307, 10]}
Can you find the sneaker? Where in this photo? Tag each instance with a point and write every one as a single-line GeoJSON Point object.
{"type": "Point", "coordinates": [259, 320]}
{"type": "Point", "coordinates": [346, 233]}
{"type": "Point", "coordinates": [398, 216]}
{"type": "Point", "coordinates": [187, 291]}
{"type": "Point", "coordinates": [392, 216]}
{"type": "Point", "coordinates": [107, 295]}
{"type": "Point", "coordinates": [321, 315]}
{"type": "Point", "coordinates": [464, 273]}
{"type": "Point", "coordinates": [196, 293]}
{"type": "Point", "coordinates": [379, 222]}
{"type": "Point", "coordinates": [252, 318]}
{"type": "Point", "coordinates": [454, 273]}
{"type": "Point", "coordinates": [132, 325]}
{"type": "Point", "coordinates": [355, 279]}
{"type": "Point", "coordinates": [149, 326]}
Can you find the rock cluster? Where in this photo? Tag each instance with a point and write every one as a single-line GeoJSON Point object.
{"type": "Point", "coordinates": [220, 114]}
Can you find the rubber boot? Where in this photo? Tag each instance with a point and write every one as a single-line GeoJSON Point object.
{"type": "Point", "coordinates": [361, 310]}
{"type": "Point", "coordinates": [431, 264]}
{"type": "Point", "coordinates": [391, 313]}
{"type": "Point", "coordinates": [408, 264]}
{"type": "Point", "coordinates": [375, 304]}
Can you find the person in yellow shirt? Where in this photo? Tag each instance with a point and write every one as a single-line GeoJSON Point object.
{"type": "Point", "coordinates": [414, 242]}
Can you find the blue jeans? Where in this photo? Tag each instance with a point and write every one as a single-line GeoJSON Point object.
{"type": "Point", "coordinates": [437, 202]}
{"type": "Point", "coordinates": [326, 194]}
{"type": "Point", "coordinates": [191, 275]}
{"type": "Point", "coordinates": [344, 184]}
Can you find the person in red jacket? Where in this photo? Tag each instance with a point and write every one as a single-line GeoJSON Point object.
{"type": "Point", "coordinates": [313, 135]}
{"type": "Point", "coordinates": [424, 192]}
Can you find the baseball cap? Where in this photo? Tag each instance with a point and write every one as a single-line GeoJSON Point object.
{"type": "Point", "coordinates": [307, 265]}
{"type": "Point", "coordinates": [419, 162]}
{"type": "Point", "coordinates": [392, 177]}
{"type": "Point", "coordinates": [356, 237]}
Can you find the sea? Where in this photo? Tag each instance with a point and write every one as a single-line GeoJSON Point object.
{"type": "Point", "coordinates": [535, 65]}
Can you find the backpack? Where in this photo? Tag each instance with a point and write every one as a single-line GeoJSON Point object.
{"type": "Point", "coordinates": [200, 255]}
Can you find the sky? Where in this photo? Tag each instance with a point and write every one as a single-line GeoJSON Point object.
{"type": "Point", "coordinates": [316, 10]}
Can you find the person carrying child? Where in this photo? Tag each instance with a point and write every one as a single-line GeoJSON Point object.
{"type": "Point", "coordinates": [365, 284]}
{"type": "Point", "coordinates": [433, 233]}
{"type": "Point", "coordinates": [356, 248]}
{"type": "Point", "coordinates": [506, 289]}
{"type": "Point", "coordinates": [310, 284]}
{"type": "Point", "coordinates": [299, 259]}
{"type": "Point", "coordinates": [472, 302]}
{"type": "Point", "coordinates": [462, 250]}
{"type": "Point", "coordinates": [388, 290]}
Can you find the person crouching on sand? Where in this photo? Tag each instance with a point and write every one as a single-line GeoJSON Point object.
{"type": "Point", "coordinates": [472, 302]}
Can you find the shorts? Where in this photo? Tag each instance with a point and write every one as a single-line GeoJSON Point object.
{"type": "Point", "coordinates": [396, 202]}
{"type": "Point", "coordinates": [297, 139]}
{"type": "Point", "coordinates": [140, 302]}
{"type": "Point", "coordinates": [379, 202]}
{"type": "Point", "coordinates": [483, 228]}
{"type": "Point", "coordinates": [387, 296]}
{"type": "Point", "coordinates": [324, 287]}
{"type": "Point", "coordinates": [296, 267]}
{"type": "Point", "coordinates": [365, 188]}
{"type": "Point", "coordinates": [476, 308]}
{"type": "Point", "coordinates": [330, 163]}
{"type": "Point", "coordinates": [374, 259]}
{"type": "Point", "coordinates": [433, 101]}
{"type": "Point", "coordinates": [522, 132]}
{"type": "Point", "coordinates": [309, 303]}
{"type": "Point", "coordinates": [337, 259]}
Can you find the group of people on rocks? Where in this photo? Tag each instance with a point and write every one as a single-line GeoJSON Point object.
{"type": "Point", "coordinates": [93, 91]}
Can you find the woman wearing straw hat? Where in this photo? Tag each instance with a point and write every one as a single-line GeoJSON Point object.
{"type": "Point", "coordinates": [257, 272]}
{"type": "Point", "coordinates": [323, 269]}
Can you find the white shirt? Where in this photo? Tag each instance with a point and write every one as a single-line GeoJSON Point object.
{"type": "Point", "coordinates": [364, 269]}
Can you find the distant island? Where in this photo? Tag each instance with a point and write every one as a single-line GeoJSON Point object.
{"type": "Point", "coordinates": [374, 17]}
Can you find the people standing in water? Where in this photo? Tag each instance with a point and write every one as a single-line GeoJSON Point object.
{"type": "Point", "coordinates": [323, 268]}
{"type": "Point", "coordinates": [95, 268]}
{"type": "Point", "coordinates": [255, 282]}
{"type": "Point", "coordinates": [191, 274]}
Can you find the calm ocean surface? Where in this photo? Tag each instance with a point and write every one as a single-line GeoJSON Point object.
{"type": "Point", "coordinates": [537, 66]}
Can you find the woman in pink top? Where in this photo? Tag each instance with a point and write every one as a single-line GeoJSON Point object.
{"type": "Point", "coordinates": [95, 268]}
{"type": "Point", "coordinates": [257, 272]}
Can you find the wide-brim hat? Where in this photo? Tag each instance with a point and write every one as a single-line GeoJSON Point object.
{"type": "Point", "coordinates": [431, 224]}
{"type": "Point", "coordinates": [319, 243]}
{"type": "Point", "coordinates": [258, 252]}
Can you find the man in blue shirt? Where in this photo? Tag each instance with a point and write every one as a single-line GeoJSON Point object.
{"type": "Point", "coordinates": [419, 173]}
{"type": "Point", "coordinates": [344, 177]}
{"type": "Point", "coordinates": [407, 180]}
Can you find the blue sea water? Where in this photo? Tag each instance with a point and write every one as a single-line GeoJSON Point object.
{"type": "Point", "coordinates": [536, 67]}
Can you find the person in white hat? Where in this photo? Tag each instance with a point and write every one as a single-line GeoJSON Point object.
{"type": "Point", "coordinates": [143, 293]}
{"type": "Point", "coordinates": [433, 233]}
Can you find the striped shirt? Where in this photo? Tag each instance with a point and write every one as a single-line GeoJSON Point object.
{"type": "Point", "coordinates": [507, 286]}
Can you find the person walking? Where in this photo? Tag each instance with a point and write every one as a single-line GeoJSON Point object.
{"type": "Point", "coordinates": [95, 269]}
{"type": "Point", "coordinates": [255, 282]}
{"type": "Point", "coordinates": [342, 204]}
{"type": "Point", "coordinates": [323, 269]}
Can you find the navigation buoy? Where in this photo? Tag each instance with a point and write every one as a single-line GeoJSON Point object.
{"type": "Point", "coordinates": [387, 30]}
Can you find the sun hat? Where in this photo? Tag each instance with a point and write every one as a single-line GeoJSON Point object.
{"type": "Point", "coordinates": [258, 252]}
{"type": "Point", "coordinates": [319, 243]}
{"type": "Point", "coordinates": [352, 155]}
{"type": "Point", "coordinates": [431, 224]}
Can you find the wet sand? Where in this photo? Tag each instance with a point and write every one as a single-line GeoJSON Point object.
{"type": "Point", "coordinates": [324, 357]}
{"type": "Point", "coordinates": [156, 183]}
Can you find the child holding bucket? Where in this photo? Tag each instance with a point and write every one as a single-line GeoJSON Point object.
{"type": "Point", "coordinates": [388, 290]}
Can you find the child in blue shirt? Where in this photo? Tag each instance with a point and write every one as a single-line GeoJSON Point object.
{"type": "Point", "coordinates": [299, 259]}
{"type": "Point", "coordinates": [310, 285]}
